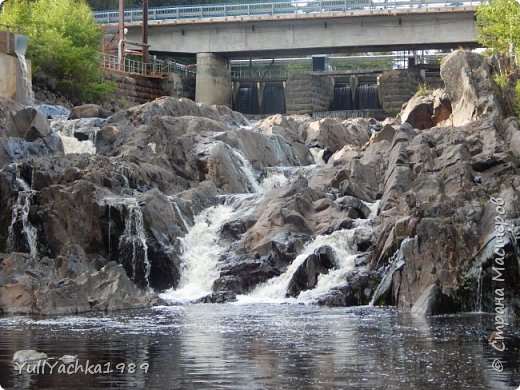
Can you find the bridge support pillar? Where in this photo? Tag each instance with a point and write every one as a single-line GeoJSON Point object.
{"type": "Point", "coordinates": [213, 80]}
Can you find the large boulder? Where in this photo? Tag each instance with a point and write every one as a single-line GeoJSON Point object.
{"type": "Point", "coordinates": [30, 286]}
{"type": "Point", "coordinates": [29, 124]}
{"type": "Point", "coordinates": [89, 111]}
{"type": "Point", "coordinates": [468, 81]}
{"type": "Point", "coordinates": [425, 111]}
{"type": "Point", "coordinates": [334, 134]}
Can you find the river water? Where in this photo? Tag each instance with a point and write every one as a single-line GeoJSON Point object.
{"type": "Point", "coordinates": [262, 346]}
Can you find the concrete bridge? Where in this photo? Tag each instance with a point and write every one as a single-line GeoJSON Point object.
{"type": "Point", "coordinates": [218, 33]}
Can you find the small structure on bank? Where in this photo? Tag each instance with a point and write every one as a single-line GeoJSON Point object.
{"type": "Point", "coordinates": [15, 77]}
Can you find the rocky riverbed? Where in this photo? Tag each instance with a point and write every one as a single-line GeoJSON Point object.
{"type": "Point", "coordinates": [196, 202]}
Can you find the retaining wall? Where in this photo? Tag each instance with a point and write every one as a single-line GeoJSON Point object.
{"type": "Point", "coordinates": [137, 89]}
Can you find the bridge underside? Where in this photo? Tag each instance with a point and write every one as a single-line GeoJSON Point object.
{"type": "Point", "coordinates": [316, 33]}
{"type": "Point", "coordinates": [277, 36]}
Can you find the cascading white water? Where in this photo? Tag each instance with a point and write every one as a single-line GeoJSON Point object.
{"type": "Point", "coordinates": [200, 247]}
{"type": "Point", "coordinates": [65, 129]}
{"type": "Point", "coordinates": [175, 207]}
{"type": "Point", "coordinates": [200, 255]}
{"type": "Point", "coordinates": [20, 214]}
{"type": "Point", "coordinates": [275, 289]}
{"type": "Point", "coordinates": [133, 235]}
{"type": "Point", "coordinates": [28, 94]}
{"type": "Point", "coordinates": [317, 155]}
{"type": "Point", "coordinates": [247, 170]}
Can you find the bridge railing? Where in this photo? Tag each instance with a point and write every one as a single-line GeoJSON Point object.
{"type": "Point", "coordinates": [271, 8]}
{"type": "Point", "coordinates": [135, 66]}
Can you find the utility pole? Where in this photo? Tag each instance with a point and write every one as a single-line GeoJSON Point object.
{"type": "Point", "coordinates": [121, 47]}
{"type": "Point", "coordinates": [145, 32]}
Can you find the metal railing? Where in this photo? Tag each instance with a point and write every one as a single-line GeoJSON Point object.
{"type": "Point", "coordinates": [271, 8]}
{"type": "Point", "coordinates": [282, 68]}
{"type": "Point", "coordinates": [154, 68]}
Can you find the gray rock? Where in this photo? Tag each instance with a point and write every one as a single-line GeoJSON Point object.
{"type": "Point", "coordinates": [433, 302]}
{"type": "Point", "coordinates": [89, 111]}
{"type": "Point", "coordinates": [28, 356]}
{"type": "Point", "coordinates": [29, 124]}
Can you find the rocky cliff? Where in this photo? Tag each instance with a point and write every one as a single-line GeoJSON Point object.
{"type": "Point", "coordinates": [398, 212]}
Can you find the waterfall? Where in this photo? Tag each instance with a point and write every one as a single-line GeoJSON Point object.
{"type": "Point", "coordinates": [478, 303]}
{"type": "Point", "coordinates": [247, 171]}
{"type": "Point", "coordinates": [317, 155]}
{"type": "Point", "coordinates": [341, 243]}
{"type": "Point", "coordinates": [27, 92]}
{"type": "Point", "coordinates": [396, 262]}
{"type": "Point", "coordinates": [200, 255]}
{"type": "Point", "coordinates": [132, 247]}
{"type": "Point", "coordinates": [175, 207]}
{"type": "Point", "coordinates": [342, 98]}
{"type": "Point", "coordinates": [275, 289]}
{"type": "Point", "coordinates": [201, 248]}
{"type": "Point", "coordinates": [367, 97]}
{"type": "Point", "coordinates": [20, 216]}
{"type": "Point", "coordinates": [274, 99]}
{"type": "Point", "coordinates": [248, 100]}
{"type": "Point", "coordinates": [65, 129]}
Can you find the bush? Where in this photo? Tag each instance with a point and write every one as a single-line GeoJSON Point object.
{"type": "Point", "coordinates": [423, 90]}
{"type": "Point", "coordinates": [63, 44]}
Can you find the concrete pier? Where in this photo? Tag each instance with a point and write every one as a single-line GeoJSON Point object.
{"type": "Point", "coordinates": [213, 84]}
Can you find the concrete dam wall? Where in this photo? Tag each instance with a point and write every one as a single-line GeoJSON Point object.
{"type": "Point", "coordinates": [314, 93]}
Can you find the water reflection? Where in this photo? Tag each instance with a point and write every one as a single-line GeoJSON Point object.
{"type": "Point", "coordinates": [264, 347]}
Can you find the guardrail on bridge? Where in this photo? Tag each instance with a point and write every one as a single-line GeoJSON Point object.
{"type": "Point", "coordinates": [271, 8]}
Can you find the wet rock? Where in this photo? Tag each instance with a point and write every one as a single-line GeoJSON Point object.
{"type": "Point", "coordinates": [218, 297]}
{"type": "Point", "coordinates": [306, 276]}
{"type": "Point", "coordinates": [240, 275]}
{"type": "Point", "coordinates": [356, 290]}
{"type": "Point", "coordinates": [355, 207]}
{"type": "Point", "coordinates": [433, 302]}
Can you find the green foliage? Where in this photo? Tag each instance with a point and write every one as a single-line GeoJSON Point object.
{"type": "Point", "coordinates": [498, 22]}
{"type": "Point", "coordinates": [63, 44]}
{"type": "Point", "coordinates": [423, 90]}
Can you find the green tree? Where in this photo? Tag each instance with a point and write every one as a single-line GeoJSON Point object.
{"type": "Point", "coordinates": [498, 24]}
{"type": "Point", "coordinates": [63, 44]}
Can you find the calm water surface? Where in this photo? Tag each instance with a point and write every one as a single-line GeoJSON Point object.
{"type": "Point", "coordinates": [263, 347]}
